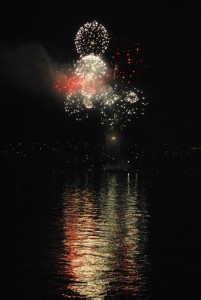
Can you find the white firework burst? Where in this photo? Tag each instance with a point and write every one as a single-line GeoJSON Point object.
{"type": "Point", "coordinates": [91, 67]}
{"type": "Point", "coordinates": [91, 38]}
{"type": "Point", "coordinates": [131, 97]}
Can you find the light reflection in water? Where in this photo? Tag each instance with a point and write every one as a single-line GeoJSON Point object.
{"type": "Point", "coordinates": [104, 244]}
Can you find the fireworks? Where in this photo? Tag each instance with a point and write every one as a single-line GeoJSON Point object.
{"type": "Point", "coordinates": [131, 97]}
{"type": "Point", "coordinates": [128, 64]}
{"type": "Point", "coordinates": [91, 38]}
{"type": "Point", "coordinates": [113, 107]}
{"type": "Point", "coordinates": [92, 87]}
{"type": "Point", "coordinates": [91, 68]}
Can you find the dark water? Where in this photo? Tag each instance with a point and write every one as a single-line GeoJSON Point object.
{"type": "Point", "coordinates": [106, 236]}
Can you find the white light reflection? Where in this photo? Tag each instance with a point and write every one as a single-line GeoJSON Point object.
{"type": "Point", "coordinates": [105, 233]}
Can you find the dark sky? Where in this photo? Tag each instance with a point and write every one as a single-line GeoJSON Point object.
{"type": "Point", "coordinates": [35, 33]}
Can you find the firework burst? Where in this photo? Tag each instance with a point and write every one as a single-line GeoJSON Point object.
{"type": "Point", "coordinates": [92, 87]}
{"type": "Point", "coordinates": [91, 38]}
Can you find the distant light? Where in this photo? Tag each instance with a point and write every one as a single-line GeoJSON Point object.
{"type": "Point", "coordinates": [113, 138]}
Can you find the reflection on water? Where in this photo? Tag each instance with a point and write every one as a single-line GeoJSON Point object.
{"type": "Point", "coordinates": [104, 226]}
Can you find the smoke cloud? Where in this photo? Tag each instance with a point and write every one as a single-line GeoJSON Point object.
{"type": "Point", "coordinates": [28, 66]}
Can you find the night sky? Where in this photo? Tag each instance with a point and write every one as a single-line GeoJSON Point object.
{"type": "Point", "coordinates": [35, 33]}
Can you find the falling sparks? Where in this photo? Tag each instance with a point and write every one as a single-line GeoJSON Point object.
{"type": "Point", "coordinates": [128, 64]}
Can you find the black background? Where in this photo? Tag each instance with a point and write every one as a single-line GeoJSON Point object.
{"type": "Point", "coordinates": [168, 33]}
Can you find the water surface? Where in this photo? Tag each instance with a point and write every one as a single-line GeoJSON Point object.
{"type": "Point", "coordinates": [102, 252]}
{"type": "Point", "coordinates": [100, 236]}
